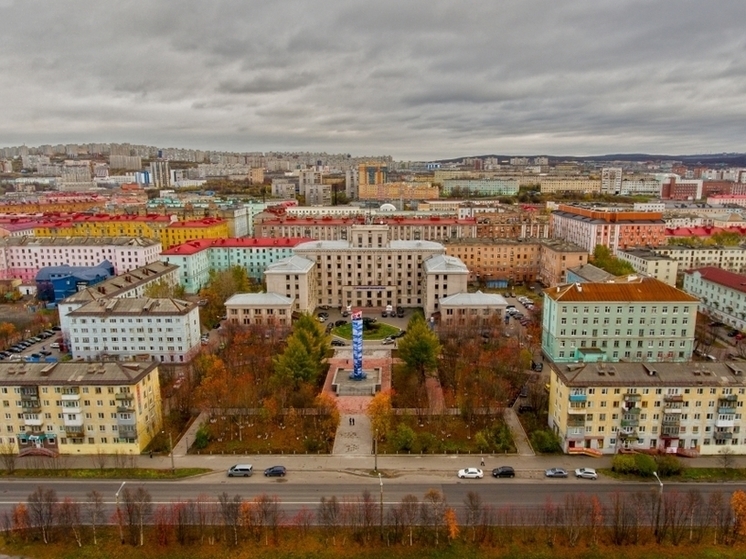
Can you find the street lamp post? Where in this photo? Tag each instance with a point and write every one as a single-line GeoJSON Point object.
{"type": "Point", "coordinates": [171, 450]}
{"type": "Point", "coordinates": [375, 453]}
{"type": "Point", "coordinates": [380, 479]}
{"type": "Point", "coordinates": [660, 503]}
{"type": "Point", "coordinates": [119, 513]}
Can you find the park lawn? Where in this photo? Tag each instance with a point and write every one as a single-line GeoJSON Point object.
{"type": "Point", "coordinates": [379, 331]}
{"type": "Point", "coordinates": [107, 473]}
{"type": "Point", "coordinates": [689, 474]}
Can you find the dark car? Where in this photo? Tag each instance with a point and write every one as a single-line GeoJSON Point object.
{"type": "Point", "coordinates": [384, 314]}
{"type": "Point", "coordinates": [400, 312]}
{"type": "Point", "coordinates": [340, 323]}
{"type": "Point", "coordinates": [338, 343]}
{"type": "Point", "coordinates": [716, 324]}
{"type": "Point", "coordinates": [45, 352]}
{"type": "Point", "coordinates": [732, 333]}
{"type": "Point", "coordinates": [399, 334]}
{"type": "Point", "coordinates": [503, 471]}
{"type": "Point", "coordinates": [537, 366]}
{"type": "Point", "coordinates": [275, 471]}
{"type": "Point", "coordinates": [56, 328]}
{"type": "Point", "coordinates": [525, 407]}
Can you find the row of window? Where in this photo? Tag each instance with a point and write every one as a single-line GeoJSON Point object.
{"type": "Point", "coordinates": [642, 309]}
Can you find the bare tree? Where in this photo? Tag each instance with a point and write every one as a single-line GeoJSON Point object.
{"type": "Point", "coordinates": [721, 517]}
{"type": "Point", "coordinates": [8, 455]}
{"type": "Point", "coordinates": [409, 508]}
{"type": "Point", "coordinates": [230, 512]}
{"type": "Point", "coordinates": [94, 508]}
{"type": "Point", "coordinates": [575, 516]}
{"type": "Point", "coordinates": [138, 507]}
{"type": "Point", "coordinates": [474, 511]}
{"type": "Point", "coordinates": [432, 511]}
{"type": "Point", "coordinates": [100, 458]}
{"type": "Point", "coordinates": [726, 457]}
{"type": "Point", "coordinates": [70, 518]}
{"type": "Point", "coordinates": [329, 516]}
{"type": "Point", "coordinates": [269, 515]}
{"type": "Point", "coordinates": [42, 507]}
{"type": "Point", "coordinates": [205, 515]}
{"type": "Point", "coordinates": [676, 510]}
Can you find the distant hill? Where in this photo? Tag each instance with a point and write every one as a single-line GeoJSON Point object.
{"type": "Point", "coordinates": [705, 159]}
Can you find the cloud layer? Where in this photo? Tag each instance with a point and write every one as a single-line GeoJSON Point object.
{"type": "Point", "coordinates": [418, 79]}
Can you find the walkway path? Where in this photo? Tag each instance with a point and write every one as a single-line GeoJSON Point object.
{"type": "Point", "coordinates": [523, 447]}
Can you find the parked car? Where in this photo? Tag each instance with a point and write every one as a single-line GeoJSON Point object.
{"type": "Point", "coordinates": [323, 314]}
{"type": "Point", "coordinates": [400, 312]}
{"type": "Point", "coordinates": [384, 314]}
{"type": "Point", "coordinates": [716, 323]}
{"type": "Point", "coordinates": [525, 407]}
{"type": "Point", "coordinates": [387, 341]}
{"type": "Point", "coordinates": [56, 328]}
{"type": "Point", "coordinates": [345, 313]}
{"type": "Point", "coordinates": [275, 471]}
{"type": "Point", "coordinates": [241, 470]}
{"type": "Point", "coordinates": [555, 472]}
{"type": "Point", "coordinates": [400, 334]}
{"type": "Point", "coordinates": [338, 343]}
{"type": "Point", "coordinates": [503, 471]}
{"type": "Point", "coordinates": [732, 333]}
{"type": "Point", "coordinates": [321, 319]}
{"type": "Point", "coordinates": [537, 366]}
{"type": "Point", "coordinates": [55, 345]}
{"type": "Point", "coordinates": [524, 391]}
{"type": "Point", "coordinates": [470, 473]}
{"type": "Point", "coordinates": [340, 323]}
{"type": "Point", "coordinates": [586, 473]}
{"type": "Point", "coordinates": [739, 336]}
{"type": "Point", "coordinates": [45, 352]}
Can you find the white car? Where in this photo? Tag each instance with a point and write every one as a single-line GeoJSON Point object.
{"type": "Point", "coordinates": [586, 473]}
{"type": "Point", "coordinates": [470, 473]}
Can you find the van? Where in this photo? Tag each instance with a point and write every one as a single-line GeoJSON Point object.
{"type": "Point", "coordinates": [239, 470]}
{"type": "Point", "coordinates": [55, 345]}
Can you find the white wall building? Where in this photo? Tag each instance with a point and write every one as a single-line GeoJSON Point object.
{"type": "Point", "coordinates": [142, 329]}
{"type": "Point", "coordinates": [722, 294]}
{"type": "Point", "coordinates": [651, 264]}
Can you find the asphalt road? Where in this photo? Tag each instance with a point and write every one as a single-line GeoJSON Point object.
{"type": "Point", "coordinates": [296, 494]}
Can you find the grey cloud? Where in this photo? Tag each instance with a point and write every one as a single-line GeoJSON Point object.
{"type": "Point", "coordinates": [416, 79]}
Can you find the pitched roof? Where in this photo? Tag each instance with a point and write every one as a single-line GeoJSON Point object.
{"type": "Point", "coordinates": [722, 277]}
{"type": "Point", "coordinates": [634, 289]}
{"type": "Point", "coordinates": [445, 265]}
{"type": "Point", "coordinates": [477, 299]}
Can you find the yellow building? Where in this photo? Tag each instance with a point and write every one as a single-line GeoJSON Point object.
{"type": "Point", "coordinates": [180, 232]}
{"type": "Point", "coordinates": [395, 190]}
{"type": "Point", "coordinates": [689, 408]}
{"type": "Point", "coordinates": [78, 408]}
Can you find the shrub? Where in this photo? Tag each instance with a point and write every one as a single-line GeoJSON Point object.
{"type": "Point", "coordinates": [645, 465]}
{"type": "Point", "coordinates": [481, 442]}
{"type": "Point", "coordinates": [427, 442]}
{"type": "Point", "coordinates": [545, 441]}
{"type": "Point", "coordinates": [404, 438]}
{"type": "Point", "coordinates": [669, 465]}
{"type": "Point", "coordinates": [312, 444]}
{"type": "Point", "coordinates": [623, 464]}
{"type": "Point", "coordinates": [201, 438]}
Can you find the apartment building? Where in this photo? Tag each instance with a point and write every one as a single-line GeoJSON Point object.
{"type": "Point", "coordinates": [511, 224]}
{"type": "Point", "coordinates": [552, 185]}
{"type": "Point", "coordinates": [556, 257]}
{"type": "Point", "coordinates": [616, 230]}
{"type": "Point", "coordinates": [136, 329]}
{"type": "Point", "coordinates": [328, 228]}
{"type": "Point", "coordinates": [629, 319]}
{"type": "Point", "coordinates": [684, 408]}
{"type": "Point", "coordinates": [648, 262]}
{"type": "Point", "coordinates": [730, 258]}
{"type": "Point", "coordinates": [195, 259]}
{"type": "Point", "coordinates": [74, 408]}
{"type": "Point", "coordinates": [179, 232]}
{"type": "Point", "coordinates": [481, 187]}
{"type": "Point", "coordinates": [396, 190]}
{"type": "Point", "coordinates": [611, 180]}
{"type": "Point", "coordinates": [722, 294]}
{"type": "Point", "coordinates": [23, 257]}
{"type": "Point", "coordinates": [498, 262]}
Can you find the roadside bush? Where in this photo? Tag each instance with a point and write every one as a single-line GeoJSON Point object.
{"type": "Point", "coordinates": [201, 438]}
{"type": "Point", "coordinates": [546, 442]}
{"type": "Point", "coordinates": [669, 465]}
{"type": "Point", "coordinates": [427, 442]}
{"type": "Point", "coordinates": [312, 444]}
{"type": "Point", "coordinates": [404, 438]}
{"type": "Point", "coordinates": [482, 443]}
{"type": "Point", "coordinates": [634, 464]}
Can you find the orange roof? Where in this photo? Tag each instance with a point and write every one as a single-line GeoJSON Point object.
{"type": "Point", "coordinates": [637, 290]}
{"type": "Point", "coordinates": [193, 247]}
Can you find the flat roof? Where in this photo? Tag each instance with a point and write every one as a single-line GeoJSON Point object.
{"type": "Point", "coordinates": [259, 300]}
{"type": "Point", "coordinates": [74, 373]}
{"type": "Point", "coordinates": [141, 306]}
{"type": "Point", "coordinates": [193, 247]}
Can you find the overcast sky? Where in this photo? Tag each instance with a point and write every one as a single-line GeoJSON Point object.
{"type": "Point", "coordinates": [415, 79]}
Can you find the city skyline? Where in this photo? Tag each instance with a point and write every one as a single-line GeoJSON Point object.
{"type": "Point", "coordinates": [425, 80]}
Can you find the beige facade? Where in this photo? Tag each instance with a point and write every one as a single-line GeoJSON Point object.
{"type": "Point", "coordinates": [465, 310]}
{"type": "Point", "coordinates": [79, 408]}
{"type": "Point", "coordinates": [556, 257]}
{"type": "Point", "coordinates": [515, 261]}
{"type": "Point", "coordinates": [296, 279]}
{"type": "Point", "coordinates": [680, 408]}
{"type": "Point", "coordinates": [553, 185]}
{"type": "Point", "coordinates": [396, 190]}
{"type": "Point", "coordinates": [444, 276]}
{"type": "Point", "coordinates": [260, 309]}
{"type": "Point", "coordinates": [651, 264]}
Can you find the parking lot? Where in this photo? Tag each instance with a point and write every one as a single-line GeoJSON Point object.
{"type": "Point", "coordinates": [34, 348]}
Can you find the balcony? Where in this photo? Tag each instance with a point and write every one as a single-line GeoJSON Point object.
{"type": "Point", "coordinates": [75, 421]}
{"type": "Point", "coordinates": [71, 407]}
{"type": "Point", "coordinates": [672, 409]}
{"type": "Point", "coordinates": [575, 410]}
{"type": "Point", "coordinates": [32, 419]}
{"type": "Point", "coordinates": [630, 397]}
{"type": "Point", "coordinates": [71, 397]}
{"type": "Point", "coordinates": [124, 406]}
{"type": "Point", "coordinates": [29, 394]}
{"type": "Point", "coordinates": [630, 422]}
{"type": "Point", "coordinates": [31, 406]}
{"type": "Point", "coordinates": [627, 434]}
{"type": "Point", "coordinates": [126, 419]}
{"type": "Point", "coordinates": [673, 398]}
{"type": "Point", "coordinates": [727, 410]}
{"type": "Point", "coordinates": [723, 435]}
{"type": "Point", "coordinates": [576, 420]}
{"type": "Point", "coordinates": [124, 396]}
{"type": "Point", "coordinates": [670, 432]}
{"type": "Point", "coordinates": [724, 423]}
{"type": "Point", "coordinates": [127, 431]}
{"type": "Point", "coordinates": [629, 410]}
{"type": "Point", "coordinates": [729, 398]}
{"type": "Point", "coordinates": [74, 430]}
{"type": "Point", "coordinates": [578, 397]}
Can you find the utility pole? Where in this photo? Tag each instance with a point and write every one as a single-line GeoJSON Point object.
{"type": "Point", "coordinates": [375, 453]}
{"type": "Point", "coordinates": [171, 446]}
{"type": "Point", "coordinates": [660, 503]}
{"type": "Point", "coordinates": [380, 479]}
{"type": "Point", "coordinates": [119, 513]}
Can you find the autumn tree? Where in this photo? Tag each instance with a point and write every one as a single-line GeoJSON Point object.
{"type": "Point", "coordinates": [738, 503]}
{"type": "Point", "coordinates": [380, 413]}
{"type": "Point", "coordinates": [70, 518]}
{"type": "Point", "coordinates": [230, 512]}
{"type": "Point", "coordinates": [7, 332]}
{"type": "Point", "coordinates": [420, 347]}
{"type": "Point", "coordinates": [221, 286]}
{"type": "Point", "coordinates": [42, 507]}
{"type": "Point", "coordinates": [164, 289]}
{"type": "Point", "coordinates": [432, 511]}
{"type": "Point", "coordinates": [8, 455]}
{"type": "Point", "coordinates": [94, 511]}
{"type": "Point", "coordinates": [603, 259]}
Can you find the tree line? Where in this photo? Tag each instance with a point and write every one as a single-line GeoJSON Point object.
{"type": "Point", "coordinates": [625, 519]}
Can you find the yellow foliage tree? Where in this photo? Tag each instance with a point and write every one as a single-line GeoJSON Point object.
{"type": "Point", "coordinates": [738, 502]}
{"type": "Point", "coordinates": [380, 413]}
{"type": "Point", "coordinates": [451, 523]}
